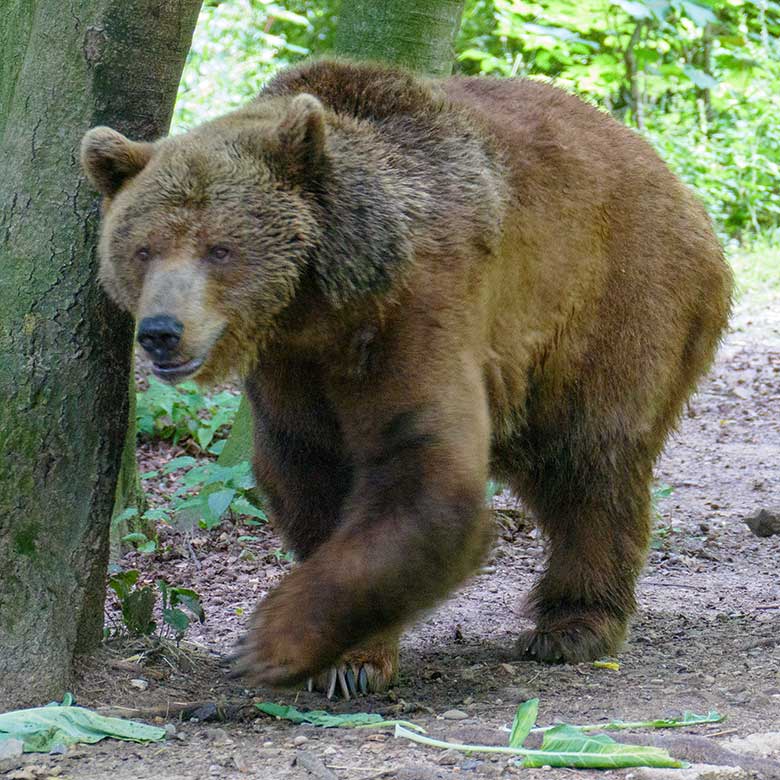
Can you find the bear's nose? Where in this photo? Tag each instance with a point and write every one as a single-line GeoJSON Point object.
{"type": "Point", "coordinates": [159, 336]}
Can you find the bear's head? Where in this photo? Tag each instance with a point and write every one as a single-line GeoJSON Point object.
{"type": "Point", "coordinates": [208, 237]}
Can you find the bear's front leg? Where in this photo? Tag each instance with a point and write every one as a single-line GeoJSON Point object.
{"type": "Point", "coordinates": [414, 527]}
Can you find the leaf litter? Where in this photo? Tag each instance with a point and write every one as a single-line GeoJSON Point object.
{"type": "Point", "coordinates": [563, 745]}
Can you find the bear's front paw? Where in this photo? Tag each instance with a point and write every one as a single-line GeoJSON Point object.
{"type": "Point", "coordinates": [370, 669]}
{"type": "Point", "coordinates": [572, 639]}
{"type": "Point", "coordinates": [282, 647]}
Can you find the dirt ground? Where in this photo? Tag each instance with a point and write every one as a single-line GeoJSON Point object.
{"type": "Point", "coordinates": [706, 635]}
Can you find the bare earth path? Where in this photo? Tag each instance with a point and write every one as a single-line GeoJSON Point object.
{"type": "Point", "coordinates": [706, 636]}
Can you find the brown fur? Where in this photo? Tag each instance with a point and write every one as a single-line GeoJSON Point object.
{"type": "Point", "coordinates": [429, 282]}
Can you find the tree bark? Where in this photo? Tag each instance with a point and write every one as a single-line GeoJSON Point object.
{"type": "Point", "coordinates": [64, 350]}
{"type": "Point", "coordinates": [419, 34]}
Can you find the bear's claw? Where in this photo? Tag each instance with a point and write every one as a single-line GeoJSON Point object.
{"type": "Point", "coordinates": [351, 680]}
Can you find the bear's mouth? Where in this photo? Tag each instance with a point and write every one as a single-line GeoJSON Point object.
{"type": "Point", "coordinates": [176, 372]}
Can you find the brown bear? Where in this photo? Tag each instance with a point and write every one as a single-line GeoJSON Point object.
{"type": "Point", "coordinates": [423, 283]}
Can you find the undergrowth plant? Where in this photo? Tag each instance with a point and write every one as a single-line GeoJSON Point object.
{"type": "Point", "coordinates": [181, 412]}
{"type": "Point", "coordinates": [178, 607]}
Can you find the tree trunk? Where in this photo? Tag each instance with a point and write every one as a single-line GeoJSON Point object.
{"type": "Point", "coordinates": [419, 34]}
{"type": "Point", "coordinates": [64, 350]}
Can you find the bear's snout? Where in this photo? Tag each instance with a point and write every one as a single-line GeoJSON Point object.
{"type": "Point", "coordinates": [160, 336]}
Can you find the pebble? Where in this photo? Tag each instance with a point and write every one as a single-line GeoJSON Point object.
{"type": "Point", "coordinates": [449, 758]}
{"type": "Point", "coordinates": [268, 744]}
{"type": "Point", "coordinates": [10, 748]}
{"type": "Point", "coordinates": [217, 735]}
{"type": "Point", "coordinates": [300, 740]}
{"type": "Point", "coordinates": [140, 683]}
{"type": "Point", "coordinates": [455, 715]}
{"type": "Point", "coordinates": [693, 772]}
{"type": "Point", "coordinates": [763, 744]}
{"type": "Point", "coordinates": [329, 751]}
{"type": "Point", "coordinates": [765, 522]}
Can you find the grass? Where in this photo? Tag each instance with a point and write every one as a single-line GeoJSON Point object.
{"type": "Point", "coordinates": [757, 270]}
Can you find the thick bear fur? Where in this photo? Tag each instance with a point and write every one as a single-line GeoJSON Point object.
{"type": "Point", "coordinates": [424, 283]}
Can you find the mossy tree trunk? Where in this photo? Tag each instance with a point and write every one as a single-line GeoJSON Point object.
{"type": "Point", "coordinates": [64, 350]}
{"type": "Point", "coordinates": [419, 34]}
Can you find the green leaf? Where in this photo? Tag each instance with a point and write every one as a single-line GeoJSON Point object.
{"type": "Point", "coordinates": [157, 514]}
{"type": "Point", "coordinates": [688, 719]}
{"type": "Point", "coordinates": [128, 513]}
{"type": "Point", "coordinates": [567, 746]}
{"type": "Point", "coordinates": [147, 547]}
{"type": "Point", "coordinates": [636, 10]}
{"type": "Point", "coordinates": [122, 582]}
{"type": "Point", "coordinates": [182, 462]}
{"type": "Point", "coordinates": [218, 502]}
{"type": "Point", "coordinates": [176, 619]}
{"type": "Point", "coordinates": [41, 728]}
{"type": "Point", "coordinates": [700, 78]}
{"type": "Point", "coordinates": [136, 537]}
{"type": "Point", "coordinates": [320, 718]}
{"type": "Point", "coordinates": [524, 721]}
{"type": "Point", "coordinates": [700, 15]}
{"type": "Point", "coordinates": [243, 506]}
{"type": "Point", "coordinates": [137, 610]}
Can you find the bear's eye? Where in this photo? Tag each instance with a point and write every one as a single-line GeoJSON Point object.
{"type": "Point", "coordinates": [219, 253]}
{"type": "Point", "coordinates": [142, 254]}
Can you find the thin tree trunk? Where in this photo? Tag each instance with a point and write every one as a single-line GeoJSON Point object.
{"type": "Point", "coordinates": [419, 34]}
{"type": "Point", "coordinates": [64, 350]}
{"type": "Point", "coordinates": [632, 77]}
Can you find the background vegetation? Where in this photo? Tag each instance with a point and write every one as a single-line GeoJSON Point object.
{"type": "Point", "coordinates": [701, 79]}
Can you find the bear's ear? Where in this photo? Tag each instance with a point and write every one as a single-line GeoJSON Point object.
{"type": "Point", "coordinates": [301, 135]}
{"type": "Point", "coordinates": [109, 159]}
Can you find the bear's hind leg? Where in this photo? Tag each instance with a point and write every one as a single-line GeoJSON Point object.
{"type": "Point", "coordinates": [592, 499]}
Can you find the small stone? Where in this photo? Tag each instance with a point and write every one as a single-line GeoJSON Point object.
{"type": "Point", "coordinates": [246, 555]}
{"type": "Point", "coordinates": [11, 748]}
{"type": "Point", "coordinates": [693, 772]}
{"type": "Point", "coordinates": [140, 683]}
{"type": "Point", "coordinates": [449, 758]}
{"type": "Point", "coordinates": [329, 751]}
{"type": "Point", "coordinates": [217, 735]}
{"type": "Point", "coordinates": [300, 740]}
{"type": "Point", "coordinates": [762, 744]}
{"type": "Point", "coordinates": [455, 715]}
{"type": "Point", "coordinates": [215, 770]}
{"type": "Point", "coordinates": [170, 730]}
{"type": "Point", "coordinates": [268, 744]}
{"type": "Point", "coordinates": [766, 522]}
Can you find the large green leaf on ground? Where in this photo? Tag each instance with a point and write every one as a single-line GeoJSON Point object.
{"type": "Point", "coordinates": [567, 746]}
{"type": "Point", "coordinates": [41, 728]}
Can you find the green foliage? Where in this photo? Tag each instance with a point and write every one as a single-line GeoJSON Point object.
{"type": "Point", "coordinates": [329, 720]}
{"type": "Point", "coordinates": [181, 412]}
{"type": "Point", "coordinates": [42, 729]}
{"type": "Point", "coordinates": [701, 79]}
{"type": "Point", "coordinates": [565, 745]}
{"type": "Point", "coordinates": [525, 720]}
{"type": "Point", "coordinates": [238, 44]}
{"type": "Point", "coordinates": [136, 603]}
{"type": "Point", "coordinates": [661, 532]}
{"type": "Point", "coordinates": [179, 605]}
{"type": "Point", "coordinates": [210, 491]}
